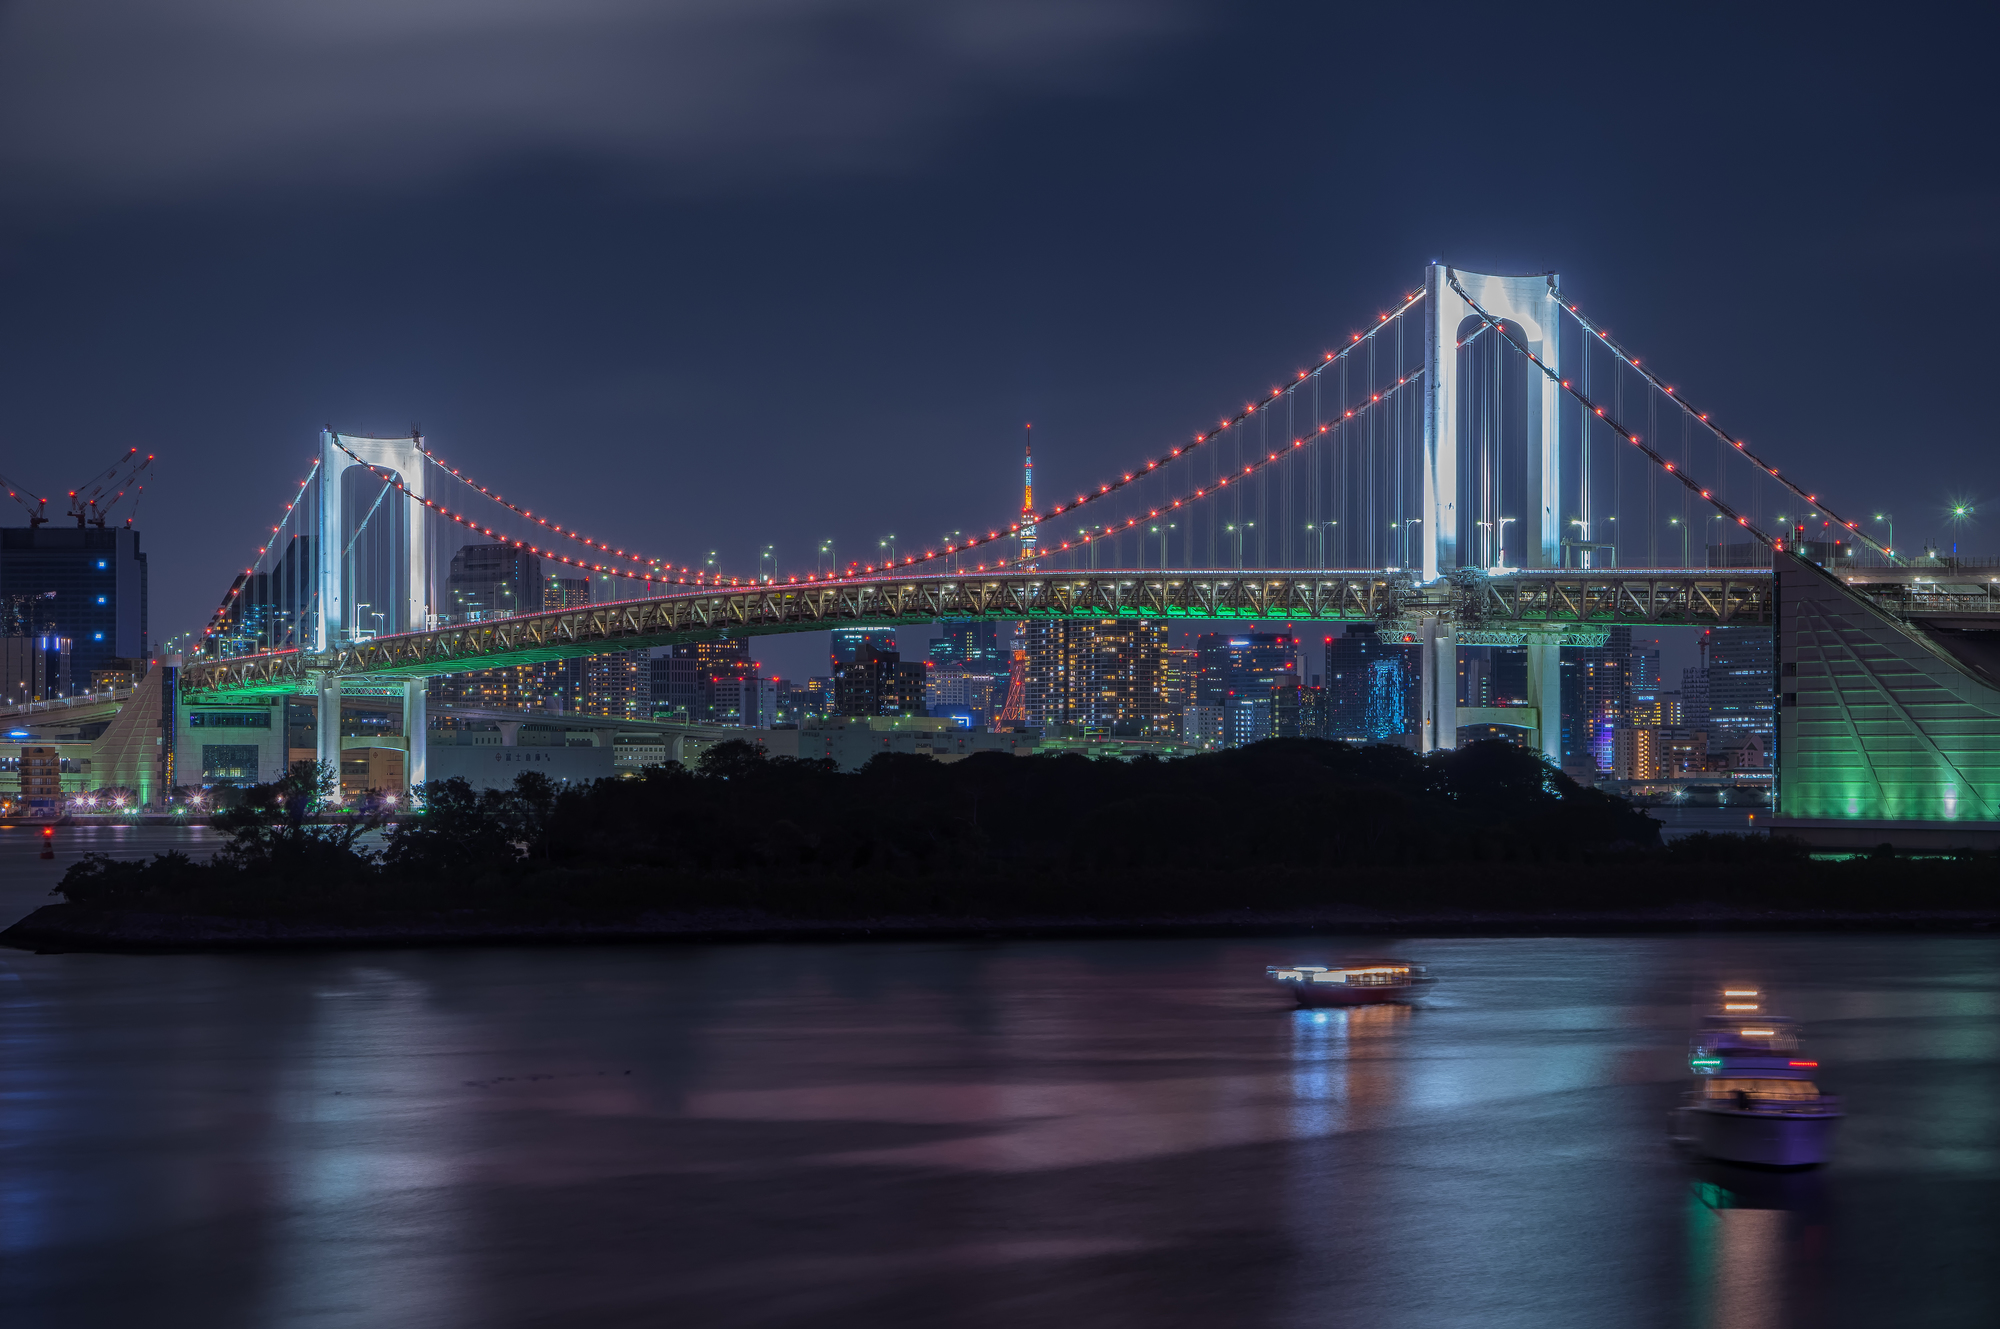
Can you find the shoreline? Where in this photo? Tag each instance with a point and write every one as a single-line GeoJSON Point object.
{"type": "Point", "coordinates": [62, 928]}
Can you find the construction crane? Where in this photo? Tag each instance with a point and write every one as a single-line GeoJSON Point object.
{"type": "Point", "coordinates": [38, 508]}
{"type": "Point", "coordinates": [87, 503]}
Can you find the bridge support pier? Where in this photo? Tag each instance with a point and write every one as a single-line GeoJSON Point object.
{"type": "Point", "coordinates": [416, 734]}
{"type": "Point", "coordinates": [1438, 688]}
{"type": "Point", "coordinates": [1545, 692]}
{"type": "Point", "coordinates": [328, 725]}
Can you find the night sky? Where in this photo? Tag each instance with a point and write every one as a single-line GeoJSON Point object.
{"type": "Point", "coordinates": [720, 275]}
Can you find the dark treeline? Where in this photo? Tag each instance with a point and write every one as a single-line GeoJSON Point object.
{"type": "Point", "coordinates": [1283, 824]}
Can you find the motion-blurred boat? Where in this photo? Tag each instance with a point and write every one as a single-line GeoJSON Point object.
{"type": "Point", "coordinates": [1354, 984]}
{"type": "Point", "coordinates": [1754, 1099]}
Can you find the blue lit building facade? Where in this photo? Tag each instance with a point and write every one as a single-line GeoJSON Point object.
{"type": "Point", "coordinates": [86, 584]}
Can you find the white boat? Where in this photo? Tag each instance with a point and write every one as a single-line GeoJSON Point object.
{"type": "Point", "coordinates": [1354, 984]}
{"type": "Point", "coordinates": [1755, 1099]}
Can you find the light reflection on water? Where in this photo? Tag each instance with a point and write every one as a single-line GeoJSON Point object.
{"type": "Point", "coordinates": [977, 1134]}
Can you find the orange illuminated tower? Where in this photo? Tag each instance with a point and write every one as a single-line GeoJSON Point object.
{"type": "Point", "coordinates": [1028, 502]}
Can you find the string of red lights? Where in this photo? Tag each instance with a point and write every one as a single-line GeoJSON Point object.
{"type": "Point", "coordinates": [1106, 490]}
{"type": "Point", "coordinates": [473, 524]}
{"type": "Point", "coordinates": [1691, 484]}
{"type": "Point", "coordinates": [1325, 433]}
{"type": "Point", "coordinates": [236, 589]}
{"type": "Point", "coordinates": [1587, 324]}
{"type": "Point", "coordinates": [553, 528]}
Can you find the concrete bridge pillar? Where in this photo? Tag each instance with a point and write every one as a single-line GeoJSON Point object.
{"type": "Point", "coordinates": [416, 733]}
{"type": "Point", "coordinates": [1439, 686]}
{"type": "Point", "coordinates": [328, 722]}
{"type": "Point", "coordinates": [1545, 692]}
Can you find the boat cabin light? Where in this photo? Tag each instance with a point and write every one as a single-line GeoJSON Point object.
{"type": "Point", "coordinates": [1739, 1006]}
{"type": "Point", "coordinates": [1758, 1033]}
{"type": "Point", "coordinates": [1741, 992]}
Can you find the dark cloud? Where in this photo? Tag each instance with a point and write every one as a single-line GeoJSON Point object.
{"type": "Point", "coordinates": [127, 99]}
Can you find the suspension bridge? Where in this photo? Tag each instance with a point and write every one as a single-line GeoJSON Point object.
{"type": "Point", "coordinates": [1481, 463]}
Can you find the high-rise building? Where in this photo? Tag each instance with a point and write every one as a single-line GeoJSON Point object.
{"type": "Point", "coordinates": [1178, 669]}
{"type": "Point", "coordinates": [615, 684]}
{"type": "Point", "coordinates": [1596, 700]}
{"type": "Point", "coordinates": [846, 642]}
{"type": "Point", "coordinates": [1741, 685]}
{"type": "Point", "coordinates": [974, 642]}
{"type": "Point", "coordinates": [1372, 686]}
{"type": "Point", "coordinates": [493, 581]}
{"type": "Point", "coordinates": [701, 682]}
{"type": "Point", "coordinates": [1694, 697]}
{"type": "Point", "coordinates": [1201, 725]}
{"type": "Point", "coordinates": [1097, 676]}
{"type": "Point", "coordinates": [878, 682]}
{"type": "Point", "coordinates": [87, 584]}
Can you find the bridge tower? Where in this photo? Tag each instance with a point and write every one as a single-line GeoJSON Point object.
{"type": "Point", "coordinates": [404, 459]}
{"type": "Point", "coordinates": [1530, 303]}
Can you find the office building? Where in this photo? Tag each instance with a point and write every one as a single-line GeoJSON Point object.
{"type": "Point", "coordinates": [87, 584]}
{"type": "Point", "coordinates": [1741, 664]}
{"type": "Point", "coordinates": [878, 682]}
{"type": "Point", "coordinates": [846, 642]}
{"type": "Point", "coordinates": [492, 581]}
{"type": "Point", "coordinates": [1372, 685]}
{"type": "Point", "coordinates": [1088, 677]}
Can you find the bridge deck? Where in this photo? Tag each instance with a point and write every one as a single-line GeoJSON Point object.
{"type": "Point", "coordinates": [1512, 601]}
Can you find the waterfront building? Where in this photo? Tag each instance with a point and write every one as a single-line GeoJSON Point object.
{"type": "Point", "coordinates": [1097, 676]}
{"type": "Point", "coordinates": [86, 584]}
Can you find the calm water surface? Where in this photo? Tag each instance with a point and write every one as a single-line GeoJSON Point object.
{"type": "Point", "coordinates": [1092, 1133]}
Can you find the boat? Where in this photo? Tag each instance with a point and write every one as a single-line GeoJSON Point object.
{"type": "Point", "coordinates": [1357, 983]}
{"type": "Point", "coordinates": [1755, 1100]}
